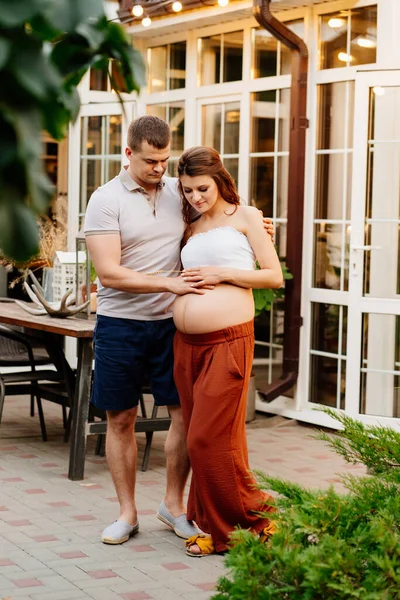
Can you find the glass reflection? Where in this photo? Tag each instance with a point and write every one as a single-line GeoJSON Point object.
{"type": "Point", "coordinates": [177, 66]}
{"type": "Point", "coordinates": [209, 59]}
{"type": "Point", "coordinates": [263, 109]}
{"type": "Point", "coordinates": [211, 126]}
{"type": "Point", "coordinates": [157, 60]}
{"type": "Point", "coordinates": [265, 52]}
{"type": "Point", "coordinates": [231, 128]}
{"type": "Point", "coordinates": [232, 165]}
{"type": "Point", "coordinates": [262, 183]}
{"type": "Point", "coordinates": [380, 366]}
{"type": "Point", "coordinates": [334, 101]}
{"type": "Point", "coordinates": [233, 56]}
{"type": "Point", "coordinates": [330, 266]}
{"type": "Point", "coordinates": [338, 48]}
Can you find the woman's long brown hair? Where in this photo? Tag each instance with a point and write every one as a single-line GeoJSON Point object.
{"type": "Point", "coordinates": [202, 160]}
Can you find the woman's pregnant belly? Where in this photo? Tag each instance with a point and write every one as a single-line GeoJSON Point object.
{"type": "Point", "coordinates": [224, 306]}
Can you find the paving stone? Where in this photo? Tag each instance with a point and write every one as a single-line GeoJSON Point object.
{"type": "Point", "coordinates": [50, 526]}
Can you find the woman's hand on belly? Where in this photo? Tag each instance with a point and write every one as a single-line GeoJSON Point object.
{"type": "Point", "coordinates": [204, 276]}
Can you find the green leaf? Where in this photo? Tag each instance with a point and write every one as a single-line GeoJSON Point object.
{"type": "Point", "coordinates": [91, 34]}
{"type": "Point", "coordinates": [66, 15]}
{"type": "Point", "coordinates": [5, 49]}
{"type": "Point", "coordinates": [17, 12]}
{"type": "Point", "coordinates": [34, 71]}
{"type": "Point", "coordinates": [18, 228]}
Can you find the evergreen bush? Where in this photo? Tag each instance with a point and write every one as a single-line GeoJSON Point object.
{"type": "Point", "coordinates": [328, 545]}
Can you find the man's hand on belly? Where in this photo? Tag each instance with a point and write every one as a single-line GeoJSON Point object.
{"type": "Point", "coordinates": [180, 287]}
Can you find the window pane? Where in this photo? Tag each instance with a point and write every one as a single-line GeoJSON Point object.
{"type": "Point", "coordinates": [282, 186]}
{"type": "Point", "coordinates": [262, 183]}
{"type": "Point", "coordinates": [286, 55]}
{"type": "Point", "coordinates": [157, 110]}
{"type": "Point", "coordinates": [283, 119]}
{"type": "Point", "coordinates": [177, 66]}
{"type": "Point", "coordinates": [112, 168]}
{"type": "Point", "coordinates": [211, 126]}
{"type": "Point", "coordinates": [209, 58]}
{"type": "Point", "coordinates": [329, 186]}
{"type": "Point", "coordinates": [264, 49]}
{"type": "Point", "coordinates": [172, 167]}
{"type": "Point", "coordinates": [157, 59]}
{"type": "Point", "coordinates": [98, 80]}
{"type": "Point", "coordinates": [323, 380]}
{"type": "Point", "coordinates": [333, 40]}
{"type": "Point", "coordinates": [92, 127]}
{"type": "Point", "coordinates": [176, 122]}
{"type": "Point", "coordinates": [114, 123]}
{"type": "Point", "coordinates": [331, 241]}
{"type": "Point", "coordinates": [380, 366]}
{"type": "Point", "coordinates": [363, 35]}
{"type": "Point", "coordinates": [263, 108]}
{"type": "Point", "coordinates": [325, 327]}
{"type": "Point", "coordinates": [231, 128]}
{"type": "Point", "coordinates": [90, 177]}
{"type": "Point", "coordinates": [233, 56]}
{"type": "Point", "coordinates": [335, 101]}
{"type": "Point", "coordinates": [232, 165]}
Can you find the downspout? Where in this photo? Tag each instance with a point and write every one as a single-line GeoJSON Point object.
{"type": "Point", "coordinates": [297, 144]}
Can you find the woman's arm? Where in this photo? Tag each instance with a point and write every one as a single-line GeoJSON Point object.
{"type": "Point", "coordinates": [268, 276]}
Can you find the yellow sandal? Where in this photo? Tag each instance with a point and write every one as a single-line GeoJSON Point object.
{"type": "Point", "coordinates": [204, 542]}
{"type": "Point", "coordinates": [267, 532]}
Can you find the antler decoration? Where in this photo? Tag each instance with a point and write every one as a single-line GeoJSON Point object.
{"type": "Point", "coordinates": [59, 309]}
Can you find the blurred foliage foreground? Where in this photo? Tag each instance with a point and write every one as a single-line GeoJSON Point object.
{"type": "Point", "coordinates": [46, 47]}
{"type": "Point", "coordinates": [328, 545]}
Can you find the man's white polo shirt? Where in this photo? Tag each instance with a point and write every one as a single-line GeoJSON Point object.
{"type": "Point", "coordinates": [151, 235]}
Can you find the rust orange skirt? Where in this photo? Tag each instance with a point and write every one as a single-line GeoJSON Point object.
{"type": "Point", "coordinates": [212, 373]}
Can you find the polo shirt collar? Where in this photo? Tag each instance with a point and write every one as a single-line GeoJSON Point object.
{"type": "Point", "coordinates": [131, 185]}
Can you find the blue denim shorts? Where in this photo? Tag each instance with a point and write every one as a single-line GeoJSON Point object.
{"type": "Point", "coordinates": [126, 351]}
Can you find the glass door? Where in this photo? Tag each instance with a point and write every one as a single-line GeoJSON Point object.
{"type": "Point", "coordinates": [96, 153]}
{"type": "Point", "coordinates": [373, 340]}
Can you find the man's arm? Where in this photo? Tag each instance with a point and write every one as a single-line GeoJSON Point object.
{"type": "Point", "coordinates": [105, 252]}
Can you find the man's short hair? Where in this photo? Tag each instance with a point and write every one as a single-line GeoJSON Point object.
{"type": "Point", "coordinates": [148, 129]}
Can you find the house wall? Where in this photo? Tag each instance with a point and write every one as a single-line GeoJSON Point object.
{"type": "Point", "coordinates": [247, 119]}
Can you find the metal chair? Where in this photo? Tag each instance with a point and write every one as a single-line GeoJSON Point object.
{"type": "Point", "coordinates": [20, 350]}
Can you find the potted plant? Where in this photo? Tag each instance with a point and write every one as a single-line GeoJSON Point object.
{"type": "Point", "coordinates": [263, 300]}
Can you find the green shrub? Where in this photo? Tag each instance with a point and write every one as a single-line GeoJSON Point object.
{"type": "Point", "coordinates": [328, 545]}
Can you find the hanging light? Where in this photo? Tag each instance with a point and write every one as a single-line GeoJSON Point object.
{"type": "Point", "coordinates": [177, 7]}
{"type": "Point", "coordinates": [337, 23]}
{"type": "Point", "coordinates": [378, 90]}
{"type": "Point", "coordinates": [344, 57]}
{"type": "Point", "coordinates": [146, 22]}
{"type": "Point", "coordinates": [223, 2]}
{"type": "Point", "coordinates": [137, 10]}
{"type": "Point", "coordinates": [366, 42]}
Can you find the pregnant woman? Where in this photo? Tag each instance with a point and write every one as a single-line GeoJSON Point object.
{"type": "Point", "coordinates": [214, 346]}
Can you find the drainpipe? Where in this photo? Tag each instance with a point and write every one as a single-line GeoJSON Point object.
{"type": "Point", "coordinates": [297, 143]}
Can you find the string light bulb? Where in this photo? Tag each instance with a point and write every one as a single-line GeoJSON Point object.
{"type": "Point", "coordinates": [177, 7]}
{"type": "Point", "coordinates": [137, 10]}
{"type": "Point", "coordinates": [223, 2]}
{"type": "Point", "coordinates": [146, 22]}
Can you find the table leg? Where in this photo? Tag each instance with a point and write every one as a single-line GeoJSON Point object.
{"type": "Point", "coordinates": [80, 409]}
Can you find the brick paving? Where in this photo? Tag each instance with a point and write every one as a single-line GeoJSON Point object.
{"type": "Point", "coordinates": [50, 526]}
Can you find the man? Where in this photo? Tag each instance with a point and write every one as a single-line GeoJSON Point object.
{"type": "Point", "coordinates": [134, 229]}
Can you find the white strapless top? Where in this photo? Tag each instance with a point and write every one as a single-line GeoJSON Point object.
{"type": "Point", "coordinates": [222, 246]}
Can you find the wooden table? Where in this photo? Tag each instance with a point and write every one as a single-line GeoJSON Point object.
{"type": "Point", "coordinates": [82, 330]}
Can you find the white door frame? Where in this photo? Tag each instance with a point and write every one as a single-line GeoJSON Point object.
{"type": "Point", "coordinates": [357, 303]}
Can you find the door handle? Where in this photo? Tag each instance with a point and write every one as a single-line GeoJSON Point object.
{"type": "Point", "coordinates": [366, 248]}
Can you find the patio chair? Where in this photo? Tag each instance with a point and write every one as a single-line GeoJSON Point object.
{"type": "Point", "coordinates": [20, 350]}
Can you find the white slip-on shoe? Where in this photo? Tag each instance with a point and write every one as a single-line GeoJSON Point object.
{"type": "Point", "coordinates": [119, 532]}
{"type": "Point", "coordinates": [179, 525]}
